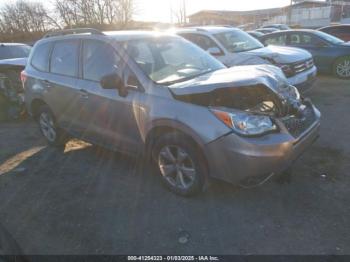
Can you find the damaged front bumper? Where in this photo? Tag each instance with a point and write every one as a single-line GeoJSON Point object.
{"type": "Point", "coordinates": [234, 159]}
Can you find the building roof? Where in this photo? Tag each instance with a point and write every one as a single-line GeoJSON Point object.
{"type": "Point", "coordinates": [269, 11]}
{"type": "Point", "coordinates": [225, 12]}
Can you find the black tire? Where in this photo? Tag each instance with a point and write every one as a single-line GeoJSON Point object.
{"type": "Point", "coordinates": [341, 67]}
{"type": "Point", "coordinates": [60, 139]}
{"type": "Point", "coordinates": [195, 160]}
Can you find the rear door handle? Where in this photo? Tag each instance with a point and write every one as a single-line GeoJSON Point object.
{"type": "Point", "coordinates": [84, 93]}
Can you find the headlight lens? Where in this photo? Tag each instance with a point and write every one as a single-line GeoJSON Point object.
{"type": "Point", "coordinates": [287, 70]}
{"type": "Point", "coordinates": [244, 123]}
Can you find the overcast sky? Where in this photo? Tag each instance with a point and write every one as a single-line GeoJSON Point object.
{"type": "Point", "coordinates": [159, 10]}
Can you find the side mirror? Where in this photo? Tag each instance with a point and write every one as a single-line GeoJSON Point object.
{"type": "Point", "coordinates": [214, 51]}
{"type": "Point", "coordinates": [114, 81]}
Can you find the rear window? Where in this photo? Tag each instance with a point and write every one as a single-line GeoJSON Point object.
{"type": "Point", "coordinates": [14, 51]}
{"type": "Point", "coordinates": [64, 58]}
{"type": "Point", "coordinates": [40, 58]}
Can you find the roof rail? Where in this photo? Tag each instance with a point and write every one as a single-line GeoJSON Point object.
{"type": "Point", "coordinates": [74, 31]}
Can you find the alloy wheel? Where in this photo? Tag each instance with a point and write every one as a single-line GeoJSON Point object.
{"type": "Point", "coordinates": [343, 68]}
{"type": "Point", "coordinates": [47, 126]}
{"type": "Point", "coordinates": [177, 167]}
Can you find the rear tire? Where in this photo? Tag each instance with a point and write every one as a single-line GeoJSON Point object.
{"type": "Point", "coordinates": [180, 163]}
{"type": "Point", "coordinates": [54, 135]}
{"type": "Point", "coordinates": [341, 67]}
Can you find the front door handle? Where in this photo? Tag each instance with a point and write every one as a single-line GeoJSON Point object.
{"type": "Point", "coordinates": [83, 93]}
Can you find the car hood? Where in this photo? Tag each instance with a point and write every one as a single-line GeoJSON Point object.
{"type": "Point", "coordinates": [14, 62]}
{"type": "Point", "coordinates": [239, 76]}
{"type": "Point", "coordinates": [282, 54]}
{"type": "Point", "coordinates": [268, 54]}
{"type": "Point", "coordinates": [346, 44]}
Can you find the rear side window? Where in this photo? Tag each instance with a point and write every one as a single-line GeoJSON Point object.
{"type": "Point", "coordinates": [303, 39]}
{"type": "Point", "coordinates": [276, 40]}
{"type": "Point", "coordinates": [64, 58]}
{"type": "Point", "coordinates": [14, 51]}
{"type": "Point", "coordinates": [99, 59]}
{"type": "Point", "coordinates": [40, 59]}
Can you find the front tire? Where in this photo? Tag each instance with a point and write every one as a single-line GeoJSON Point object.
{"type": "Point", "coordinates": [341, 67]}
{"type": "Point", "coordinates": [54, 135]}
{"type": "Point", "coordinates": [180, 163]}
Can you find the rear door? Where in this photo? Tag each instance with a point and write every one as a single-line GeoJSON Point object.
{"type": "Point", "coordinates": [109, 119]}
{"type": "Point", "coordinates": [320, 50]}
{"type": "Point", "coordinates": [61, 93]}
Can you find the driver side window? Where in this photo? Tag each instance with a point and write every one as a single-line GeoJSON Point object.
{"type": "Point", "coordinates": [99, 59]}
{"type": "Point", "coordinates": [202, 41]}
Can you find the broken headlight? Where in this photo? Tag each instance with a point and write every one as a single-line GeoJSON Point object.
{"type": "Point", "coordinates": [290, 91]}
{"type": "Point", "coordinates": [245, 123]}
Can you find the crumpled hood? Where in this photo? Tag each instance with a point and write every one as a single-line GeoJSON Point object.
{"type": "Point", "coordinates": [14, 62]}
{"type": "Point", "coordinates": [239, 76]}
{"type": "Point", "coordinates": [279, 54]}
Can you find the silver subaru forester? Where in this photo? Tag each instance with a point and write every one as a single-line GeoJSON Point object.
{"type": "Point", "coordinates": [161, 95]}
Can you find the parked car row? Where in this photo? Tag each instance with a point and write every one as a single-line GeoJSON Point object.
{"type": "Point", "coordinates": [164, 96]}
{"type": "Point", "coordinates": [235, 47]}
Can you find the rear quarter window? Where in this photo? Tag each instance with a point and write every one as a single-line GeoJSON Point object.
{"type": "Point", "coordinates": [40, 57]}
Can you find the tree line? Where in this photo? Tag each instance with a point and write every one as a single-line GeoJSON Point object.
{"type": "Point", "coordinates": [25, 19]}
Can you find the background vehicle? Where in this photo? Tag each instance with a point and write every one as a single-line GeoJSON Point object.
{"type": "Point", "coordinates": [12, 61]}
{"type": "Point", "coordinates": [255, 34]}
{"type": "Point", "coordinates": [267, 30]}
{"type": "Point", "coordinates": [277, 26]}
{"type": "Point", "coordinates": [340, 31]}
{"type": "Point", "coordinates": [235, 47]}
{"type": "Point", "coordinates": [331, 54]}
{"type": "Point", "coordinates": [144, 92]}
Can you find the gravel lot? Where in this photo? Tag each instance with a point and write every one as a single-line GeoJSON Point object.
{"type": "Point", "coordinates": [87, 200]}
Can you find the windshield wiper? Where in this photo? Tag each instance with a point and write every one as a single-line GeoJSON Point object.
{"type": "Point", "coordinates": [168, 83]}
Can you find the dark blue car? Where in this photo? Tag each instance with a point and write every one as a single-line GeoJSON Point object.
{"type": "Point", "coordinates": [331, 54]}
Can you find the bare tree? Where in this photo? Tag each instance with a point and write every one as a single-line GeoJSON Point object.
{"type": "Point", "coordinates": [25, 17]}
{"type": "Point", "coordinates": [94, 12]}
{"type": "Point", "coordinates": [181, 13]}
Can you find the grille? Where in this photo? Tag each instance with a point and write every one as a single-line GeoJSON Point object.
{"type": "Point", "coordinates": [297, 125]}
{"type": "Point", "coordinates": [303, 66]}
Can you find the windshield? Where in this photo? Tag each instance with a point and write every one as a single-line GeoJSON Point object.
{"type": "Point", "coordinates": [329, 38]}
{"type": "Point", "coordinates": [167, 60]}
{"type": "Point", "coordinates": [14, 51]}
{"type": "Point", "coordinates": [238, 41]}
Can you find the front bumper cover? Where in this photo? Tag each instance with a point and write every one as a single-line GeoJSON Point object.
{"type": "Point", "coordinates": [234, 159]}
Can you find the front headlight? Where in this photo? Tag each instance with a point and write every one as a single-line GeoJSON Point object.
{"type": "Point", "coordinates": [291, 92]}
{"type": "Point", "coordinates": [244, 123]}
{"type": "Point", "coordinates": [287, 69]}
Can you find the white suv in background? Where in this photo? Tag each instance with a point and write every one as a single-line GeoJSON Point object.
{"type": "Point", "coordinates": [234, 47]}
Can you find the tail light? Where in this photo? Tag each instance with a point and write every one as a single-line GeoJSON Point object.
{"type": "Point", "coordinates": [23, 77]}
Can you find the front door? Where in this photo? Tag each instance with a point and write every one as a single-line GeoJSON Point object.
{"type": "Point", "coordinates": [109, 119]}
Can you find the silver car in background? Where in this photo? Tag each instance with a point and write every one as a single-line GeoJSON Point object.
{"type": "Point", "coordinates": [234, 47]}
{"type": "Point", "coordinates": [163, 96]}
